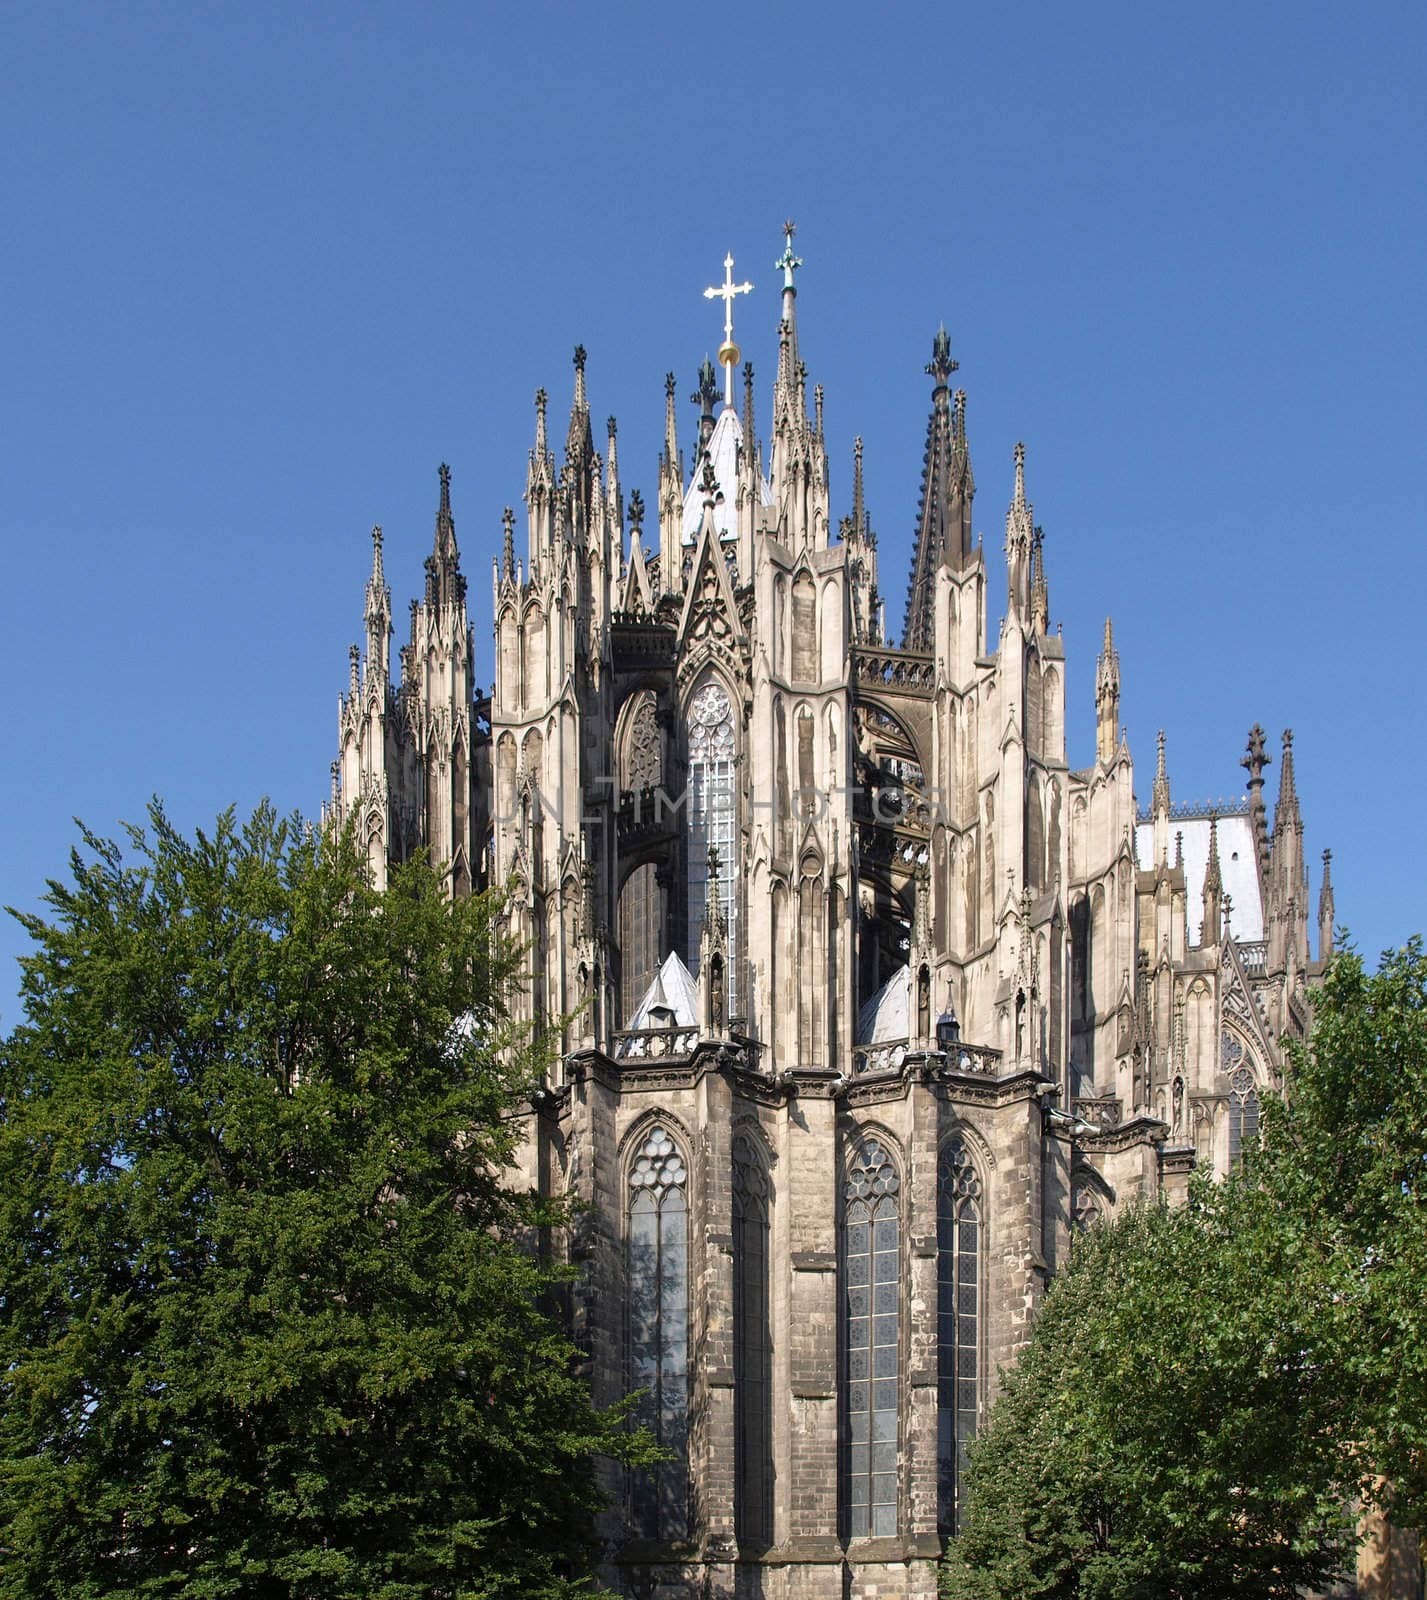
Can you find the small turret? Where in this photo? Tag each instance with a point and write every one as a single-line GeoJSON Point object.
{"type": "Point", "coordinates": [1107, 699]}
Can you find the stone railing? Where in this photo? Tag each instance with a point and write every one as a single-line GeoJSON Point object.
{"type": "Point", "coordinates": [1101, 1111]}
{"type": "Point", "coordinates": [890, 1055]}
{"type": "Point", "coordinates": [885, 1057]}
{"type": "Point", "coordinates": [653, 1044]}
{"type": "Point", "coordinates": [895, 669]}
{"type": "Point", "coordinates": [1254, 954]}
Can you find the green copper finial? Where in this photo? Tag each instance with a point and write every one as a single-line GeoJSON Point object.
{"type": "Point", "coordinates": [788, 263]}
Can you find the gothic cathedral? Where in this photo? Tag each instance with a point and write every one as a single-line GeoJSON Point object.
{"type": "Point", "coordinates": [869, 998]}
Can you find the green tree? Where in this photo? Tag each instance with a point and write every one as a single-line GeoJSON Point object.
{"type": "Point", "coordinates": [1164, 1433]}
{"type": "Point", "coordinates": [1344, 1160]}
{"type": "Point", "coordinates": [269, 1320]}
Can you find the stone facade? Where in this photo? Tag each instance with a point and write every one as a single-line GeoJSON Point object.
{"type": "Point", "coordinates": [869, 997]}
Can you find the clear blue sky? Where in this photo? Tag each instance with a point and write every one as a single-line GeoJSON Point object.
{"type": "Point", "coordinates": [265, 266]}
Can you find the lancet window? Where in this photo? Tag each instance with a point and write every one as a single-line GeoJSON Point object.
{"type": "Point", "coordinates": [712, 817]}
{"type": "Point", "coordinates": [752, 1350]}
{"type": "Point", "coordinates": [1243, 1098]}
{"type": "Point", "coordinates": [871, 1341]}
{"type": "Point", "coordinates": [959, 1312]}
{"type": "Point", "coordinates": [658, 1264]}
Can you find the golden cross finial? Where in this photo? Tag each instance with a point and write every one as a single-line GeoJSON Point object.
{"type": "Point", "coordinates": [728, 350]}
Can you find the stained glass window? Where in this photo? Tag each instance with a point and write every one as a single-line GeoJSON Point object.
{"type": "Point", "coordinates": [959, 1300]}
{"type": "Point", "coordinates": [712, 819]}
{"type": "Point", "coordinates": [658, 1244]}
{"type": "Point", "coordinates": [1243, 1113]}
{"type": "Point", "coordinates": [752, 1351]}
{"type": "Point", "coordinates": [871, 1341]}
{"type": "Point", "coordinates": [1243, 1096]}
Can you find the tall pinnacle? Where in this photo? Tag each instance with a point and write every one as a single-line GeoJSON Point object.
{"type": "Point", "coordinates": [1213, 894]}
{"type": "Point", "coordinates": [859, 509]}
{"type": "Point", "coordinates": [1254, 762]}
{"type": "Point", "coordinates": [1287, 807]}
{"type": "Point", "coordinates": [1107, 698]}
{"type": "Point", "coordinates": [1326, 911]}
{"type": "Point", "coordinates": [444, 583]}
{"type": "Point", "coordinates": [944, 515]}
{"type": "Point", "coordinates": [1020, 542]}
{"type": "Point", "coordinates": [788, 264]}
{"type": "Point", "coordinates": [1159, 800]}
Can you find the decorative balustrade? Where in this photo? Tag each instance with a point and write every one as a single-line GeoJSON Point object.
{"type": "Point", "coordinates": [1254, 954]}
{"type": "Point", "coordinates": [653, 1044]}
{"type": "Point", "coordinates": [895, 669]}
{"type": "Point", "coordinates": [1197, 810]}
{"type": "Point", "coordinates": [1101, 1111]}
{"type": "Point", "coordinates": [890, 1056]}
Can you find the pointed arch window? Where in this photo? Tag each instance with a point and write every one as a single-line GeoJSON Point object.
{"type": "Point", "coordinates": [658, 1263]}
{"type": "Point", "coordinates": [1243, 1097]}
{"type": "Point", "coordinates": [712, 820]}
{"type": "Point", "coordinates": [959, 1311]}
{"type": "Point", "coordinates": [752, 1350]}
{"type": "Point", "coordinates": [871, 1341]}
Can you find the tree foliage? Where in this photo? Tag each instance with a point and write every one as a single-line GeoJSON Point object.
{"type": "Point", "coordinates": [1345, 1162]}
{"type": "Point", "coordinates": [1164, 1433]}
{"type": "Point", "coordinates": [269, 1321]}
{"type": "Point", "coordinates": [1209, 1392]}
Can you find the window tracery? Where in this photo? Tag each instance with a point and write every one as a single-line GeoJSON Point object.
{"type": "Point", "coordinates": [658, 1263]}
{"type": "Point", "coordinates": [712, 818]}
{"type": "Point", "coordinates": [1243, 1098]}
{"type": "Point", "coordinates": [872, 1337]}
{"type": "Point", "coordinates": [959, 1291]}
{"type": "Point", "coordinates": [752, 1351]}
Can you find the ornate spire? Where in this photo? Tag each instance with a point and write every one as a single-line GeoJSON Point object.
{"type": "Point", "coordinates": [1286, 811]}
{"type": "Point", "coordinates": [1326, 912]}
{"type": "Point", "coordinates": [1040, 593]}
{"type": "Point", "coordinates": [613, 496]}
{"type": "Point", "coordinates": [671, 496]}
{"type": "Point", "coordinates": [1213, 887]}
{"type": "Point", "coordinates": [788, 363]}
{"type": "Point", "coordinates": [1107, 699]}
{"type": "Point", "coordinates": [1020, 538]}
{"type": "Point", "coordinates": [507, 522]}
{"type": "Point", "coordinates": [750, 439]}
{"type": "Point", "coordinates": [941, 366]}
{"type": "Point", "coordinates": [671, 426]}
{"type": "Point", "coordinates": [444, 583]}
{"type": "Point", "coordinates": [1254, 762]}
{"type": "Point", "coordinates": [540, 478]}
{"type": "Point", "coordinates": [579, 465]}
{"type": "Point", "coordinates": [1159, 802]}
{"type": "Point", "coordinates": [859, 508]}
{"type": "Point", "coordinates": [944, 515]}
{"type": "Point", "coordinates": [704, 397]}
